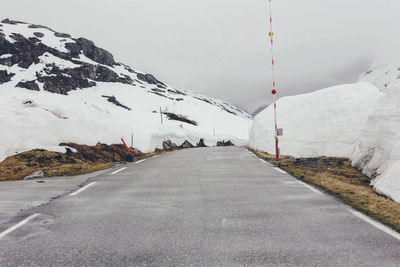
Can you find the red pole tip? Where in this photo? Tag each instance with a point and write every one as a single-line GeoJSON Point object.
{"type": "Point", "coordinates": [273, 92]}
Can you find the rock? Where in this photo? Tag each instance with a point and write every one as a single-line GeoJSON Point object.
{"type": "Point", "coordinates": [62, 35]}
{"type": "Point", "coordinates": [12, 22]}
{"type": "Point", "coordinates": [227, 143]}
{"type": "Point", "coordinates": [91, 51]}
{"type": "Point", "coordinates": [167, 145]}
{"type": "Point", "coordinates": [5, 76]}
{"type": "Point", "coordinates": [38, 34]}
{"type": "Point", "coordinates": [187, 144]}
{"type": "Point", "coordinates": [37, 174]}
{"type": "Point", "coordinates": [113, 99]}
{"type": "Point", "coordinates": [30, 85]}
{"type": "Point", "coordinates": [148, 78]}
{"type": "Point", "coordinates": [201, 143]}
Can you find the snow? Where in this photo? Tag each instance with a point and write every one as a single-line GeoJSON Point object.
{"type": "Point", "coordinates": [327, 122]}
{"type": "Point", "coordinates": [382, 75]}
{"type": "Point", "coordinates": [5, 56]}
{"type": "Point", "coordinates": [49, 39]}
{"type": "Point", "coordinates": [42, 120]}
{"type": "Point", "coordinates": [378, 148]}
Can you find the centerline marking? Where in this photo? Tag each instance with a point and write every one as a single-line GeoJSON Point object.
{"type": "Point", "coordinates": [117, 171]}
{"type": "Point", "coordinates": [18, 225]}
{"type": "Point", "coordinates": [376, 224]}
{"type": "Point", "coordinates": [82, 189]}
{"type": "Point", "coordinates": [311, 188]}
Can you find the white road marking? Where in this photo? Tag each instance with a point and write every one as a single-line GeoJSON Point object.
{"type": "Point", "coordinates": [18, 225]}
{"type": "Point", "coordinates": [140, 161]}
{"type": "Point", "coordinates": [263, 161]}
{"type": "Point", "coordinates": [375, 224]}
{"type": "Point", "coordinates": [80, 190]}
{"type": "Point", "coordinates": [311, 188]}
{"type": "Point", "coordinates": [280, 170]}
{"type": "Point", "coordinates": [117, 171]}
{"type": "Point", "coordinates": [155, 156]}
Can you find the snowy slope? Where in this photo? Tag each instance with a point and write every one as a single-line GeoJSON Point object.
{"type": "Point", "coordinates": [323, 123]}
{"type": "Point", "coordinates": [56, 88]}
{"type": "Point", "coordinates": [377, 151]}
{"type": "Point", "coordinates": [382, 75]}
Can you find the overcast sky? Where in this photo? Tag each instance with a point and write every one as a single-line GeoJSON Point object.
{"type": "Point", "coordinates": [219, 47]}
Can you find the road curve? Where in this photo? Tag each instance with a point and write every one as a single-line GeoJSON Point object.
{"type": "Point", "coordinates": [200, 207]}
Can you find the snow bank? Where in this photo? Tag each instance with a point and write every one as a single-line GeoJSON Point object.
{"type": "Point", "coordinates": [40, 119]}
{"type": "Point", "coordinates": [327, 122]}
{"type": "Point", "coordinates": [378, 148]}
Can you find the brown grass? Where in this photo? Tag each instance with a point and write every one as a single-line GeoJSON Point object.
{"type": "Point", "coordinates": [88, 159]}
{"type": "Point", "coordinates": [337, 177]}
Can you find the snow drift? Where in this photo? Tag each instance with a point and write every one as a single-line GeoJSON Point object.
{"type": "Point", "coordinates": [327, 122]}
{"type": "Point", "coordinates": [56, 88]}
{"type": "Point", "coordinates": [377, 151]}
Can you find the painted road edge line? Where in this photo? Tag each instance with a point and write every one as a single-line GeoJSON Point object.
{"type": "Point", "coordinates": [140, 161]}
{"type": "Point", "coordinates": [18, 225]}
{"type": "Point", "coordinates": [375, 223]}
{"type": "Point", "coordinates": [117, 171]}
{"type": "Point", "coordinates": [311, 188]}
{"type": "Point", "coordinates": [80, 190]}
{"type": "Point", "coordinates": [280, 170]}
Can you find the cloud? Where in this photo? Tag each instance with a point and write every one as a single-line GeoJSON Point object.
{"type": "Point", "coordinates": [220, 47]}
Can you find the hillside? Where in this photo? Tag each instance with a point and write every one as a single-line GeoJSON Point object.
{"type": "Point", "coordinates": [57, 89]}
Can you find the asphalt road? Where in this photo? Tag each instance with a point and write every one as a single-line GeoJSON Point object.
{"type": "Point", "coordinates": [200, 207]}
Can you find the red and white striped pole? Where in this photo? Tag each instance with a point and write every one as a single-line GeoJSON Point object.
{"type": "Point", "coordinates": [271, 35]}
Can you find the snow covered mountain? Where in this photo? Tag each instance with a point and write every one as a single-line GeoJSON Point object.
{"type": "Point", "coordinates": [358, 121]}
{"type": "Point", "coordinates": [382, 75]}
{"type": "Point", "coordinates": [56, 88]}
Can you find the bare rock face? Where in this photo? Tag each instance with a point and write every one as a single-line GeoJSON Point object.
{"type": "Point", "coordinates": [91, 51]}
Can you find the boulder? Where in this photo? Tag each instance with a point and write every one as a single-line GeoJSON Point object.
{"type": "Point", "coordinates": [187, 144]}
{"type": "Point", "coordinates": [167, 145]}
{"type": "Point", "coordinates": [201, 143]}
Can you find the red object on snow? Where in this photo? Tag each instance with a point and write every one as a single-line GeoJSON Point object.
{"type": "Point", "coordinates": [127, 148]}
{"type": "Point", "coordinates": [273, 92]}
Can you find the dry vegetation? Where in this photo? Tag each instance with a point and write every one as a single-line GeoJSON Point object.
{"type": "Point", "coordinates": [337, 177]}
{"type": "Point", "coordinates": [88, 159]}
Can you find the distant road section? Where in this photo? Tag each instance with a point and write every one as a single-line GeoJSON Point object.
{"type": "Point", "coordinates": [200, 207]}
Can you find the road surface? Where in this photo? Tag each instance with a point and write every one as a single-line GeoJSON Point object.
{"type": "Point", "coordinates": [199, 207]}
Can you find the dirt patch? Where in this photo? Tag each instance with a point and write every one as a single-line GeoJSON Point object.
{"type": "Point", "coordinates": [87, 159]}
{"type": "Point", "coordinates": [336, 176]}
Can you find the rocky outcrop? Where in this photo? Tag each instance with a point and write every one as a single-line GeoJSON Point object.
{"type": "Point", "coordinates": [5, 76]}
{"type": "Point", "coordinates": [167, 145]}
{"type": "Point", "coordinates": [113, 100]}
{"type": "Point", "coordinates": [227, 143]}
{"type": "Point", "coordinates": [91, 51]}
{"type": "Point", "coordinates": [201, 143]}
{"type": "Point", "coordinates": [30, 85]}
{"type": "Point", "coordinates": [176, 117]}
{"type": "Point", "coordinates": [187, 144]}
{"type": "Point", "coordinates": [150, 79]}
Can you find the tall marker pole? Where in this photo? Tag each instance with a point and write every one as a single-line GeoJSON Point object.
{"type": "Point", "coordinates": [271, 35]}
